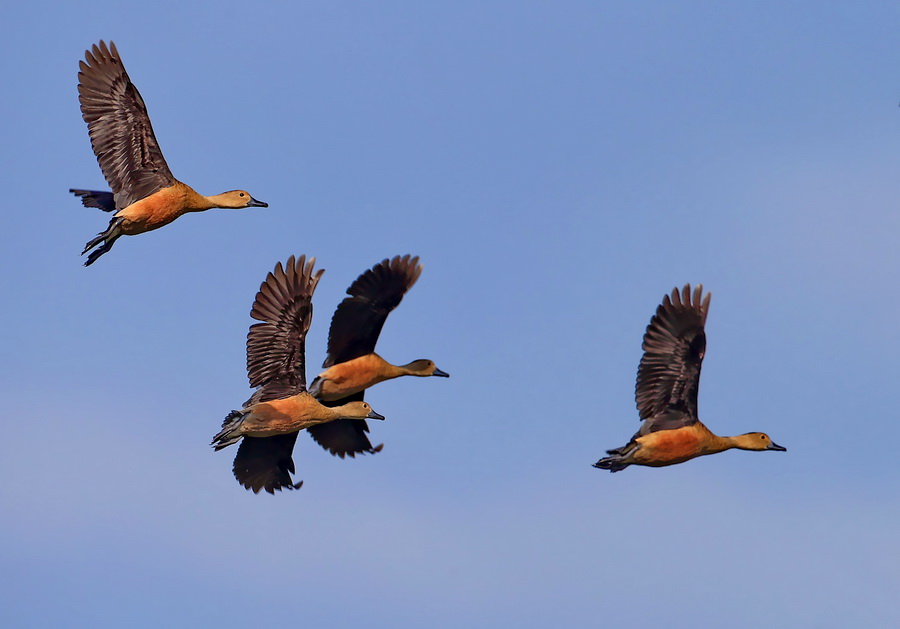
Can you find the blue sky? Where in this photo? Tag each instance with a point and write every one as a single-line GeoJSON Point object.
{"type": "Point", "coordinates": [558, 167]}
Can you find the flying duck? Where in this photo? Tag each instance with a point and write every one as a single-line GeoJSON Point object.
{"type": "Point", "coordinates": [666, 392]}
{"type": "Point", "coordinates": [269, 421]}
{"type": "Point", "coordinates": [352, 366]}
{"type": "Point", "coordinates": [145, 195]}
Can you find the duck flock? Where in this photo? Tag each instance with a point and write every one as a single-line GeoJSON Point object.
{"type": "Point", "coordinates": [146, 196]}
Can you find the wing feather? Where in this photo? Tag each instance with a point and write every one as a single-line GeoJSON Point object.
{"type": "Point", "coordinates": [358, 320]}
{"type": "Point", "coordinates": [276, 348]}
{"type": "Point", "coordinates": [354, 332]}
{"type": "Point", "coordinates": [674, 345]}
{"type": "Point", "coordinates": [276, 364]}
{"type": "Point", "coordinates": [266, 463]}
{"type": "Point", "coordinates": [119, 127]}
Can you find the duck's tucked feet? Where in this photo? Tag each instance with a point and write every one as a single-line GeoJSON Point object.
{"type": "Point", "coordinates": [108, 238]}
{"type": "Point", "coordinates": [613, 463]}
{"type": "Point", "coordinates": [96, 253]}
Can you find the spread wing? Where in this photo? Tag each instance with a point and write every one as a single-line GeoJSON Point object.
{"type": "Point", "coordinates": [358, 320]}
{"type": "Point", "coordinates": [266, 463]}
{"type": "Point", "coordinates": [276, 363]}
{"type": "Point", "coordinates": [669, 374]}
{"type": "Point", "coordinates": [344, 437]}
{"type": "Point", "coordinates": [355, 327]}
{"type": "Point", "coordinates": [119, 127]}
{"type": "Point", "coordinates": [276, 348]}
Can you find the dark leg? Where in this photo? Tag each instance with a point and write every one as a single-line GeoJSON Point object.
{"type": "Point", "coordinates": [107, 238]}
{"type": "Point", "coordinates": [618, 458]}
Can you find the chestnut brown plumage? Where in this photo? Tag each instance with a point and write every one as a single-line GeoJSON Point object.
{"type": "Point", "coordinates": [351, 364]}
{"type": "Point", "coordinates": [666, 391]}
{"type": "Point", "coordinates": [269, 421]}
{"type": "Point", "coordinates": [145, 195]}
{"type": "Point", "coordinates": [119, 128]}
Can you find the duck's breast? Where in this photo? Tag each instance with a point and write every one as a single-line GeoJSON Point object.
{"type": "Point", "coordinates": [667, 447]}
{"type": "Point", "coordinates": [353, 376]}
{"type": "Point", "coordinates": [160, 208]}
{"type": "Point", "coordinates": [277, 417]}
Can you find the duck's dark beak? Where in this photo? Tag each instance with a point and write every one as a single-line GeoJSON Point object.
{"type": "Point", "coordinates": [442, 374]}
{"type": "Point", "coordinates": [254, 203]}
{"type": "Point", "coordinates": [776, 447]}
{"type": "Point", "coordinates": [374, 415]}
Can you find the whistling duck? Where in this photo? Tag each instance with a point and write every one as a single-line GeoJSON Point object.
{"type": "Point", "coordinates": [276, 364]}
{"type": "Point", "coordinates": [666, 392]}
{"type": "Point", "coordinates": [352, 364]}
{"type": "Point", "coordinates": [145, 195]}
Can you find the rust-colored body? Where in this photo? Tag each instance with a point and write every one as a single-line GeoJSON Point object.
{"type": "Point", "coordinates": [345, 379]}
{"type": "Point", "coordinates": [668, 447]}
{"type": "Point", "coordinates": [144, 193]}
{"type": "Point", "coordinates": [358, 374]}
{"type": "Point", "coordinates": [278, 417]}
{"type": "Point", "coordinates": [286, 416]}
{"type": "Point", "coordinates": [666, 391]}
{"type": "Point", "coordinates": [161, 208]}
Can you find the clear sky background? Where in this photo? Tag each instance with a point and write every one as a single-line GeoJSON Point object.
{"type": "Point", "coordinates": [559, 167]}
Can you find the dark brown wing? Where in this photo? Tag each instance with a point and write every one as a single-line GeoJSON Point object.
{"type": "Point", "coordinates": [119, 127]}
{"type": "Point", "coordinates": [669, 374]}
{"type": "Point", "coordinates": [358, 320]}
{"type": "Point", "coordinates": [276, 364]}
{"type": "Point", "coordinates": [344, 437]}
{"type": "Point", "coordinates": [266, 463]}
{"type": "Point", "coordinates": [276, 348]}
{"type": "Point", "coordinates": [355, 327]}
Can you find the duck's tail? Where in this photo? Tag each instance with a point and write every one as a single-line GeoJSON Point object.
{"type": "Point", "coordinates": [230, 432]}
{"type": "Point", "coordinates": [617, 459]}
{"type": "Point", "coordinates": [108, 238]}
{"type": "Point", "coordinates": [96, 198]}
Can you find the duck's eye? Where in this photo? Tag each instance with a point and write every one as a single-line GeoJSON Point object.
{"type": "Point", "coordinates": [762, 436]}
{"type": "Point", "coordinates": [242, 194]}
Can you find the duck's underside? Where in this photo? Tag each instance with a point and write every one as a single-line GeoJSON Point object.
{"type": "Point", "coordinates": [659, 448]}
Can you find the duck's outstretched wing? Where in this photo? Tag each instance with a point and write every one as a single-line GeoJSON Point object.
{"type": "Point", "coordinates": [358, 320]}
{"type": "Point", "coordinates": [276, 348]}
{"type": "Point", "coordinates": [119, 127]}
{"type": "Point", "coordinates": [354, 331]}
{"type": "Point", "coordinates": [669, 374]}
{"type": "Point", "coordinates": [266, 463]}
{"type": "Point", "coordinates": [276, 363]}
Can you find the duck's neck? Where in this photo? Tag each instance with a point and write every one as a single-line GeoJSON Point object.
{"type": "Point", "coordinates": [331, 412]}
{"type": "Point", "coordinates": [400, 370]}
{"type": "Point", "coordinates": [216, 200]}
{"type": "Point", "coordinates": [385, 370]}
{"type": "Point", "coordinates": [196, 202]}
{"type": "Point", "coordinates": [714, 443]}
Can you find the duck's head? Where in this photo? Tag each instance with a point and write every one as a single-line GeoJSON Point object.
{"type": "Point", "coordinates": [357, 410]}
{"type": "Point", "coordinates": [425, 367]}
{"type": "Point", "coordinates": [757, 441]}
{"type": "Point", "coordinates": [236, 200]}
